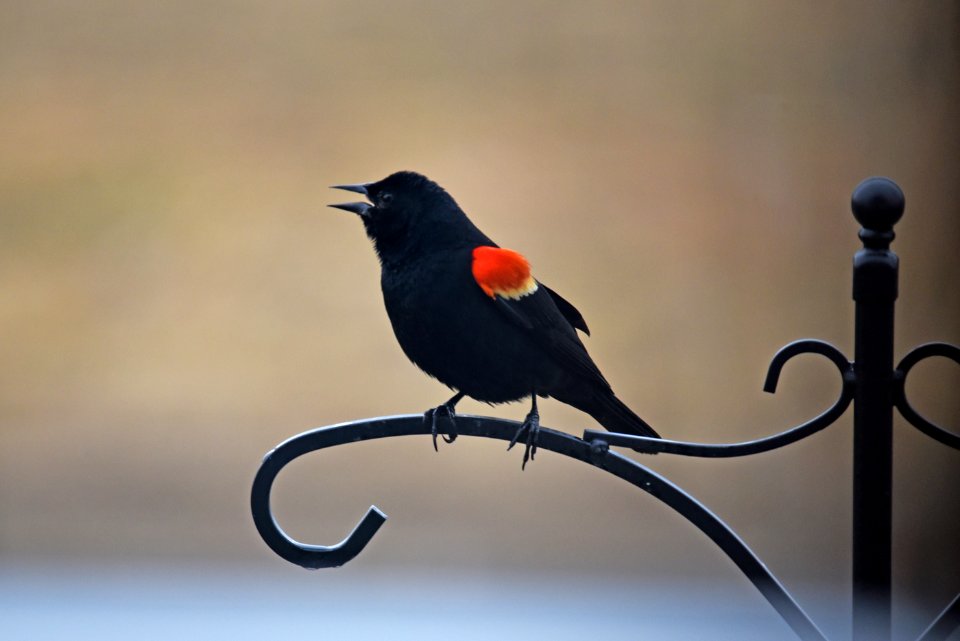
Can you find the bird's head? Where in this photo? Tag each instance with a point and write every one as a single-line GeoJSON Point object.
{"type": "Point", "coordinates": [407, 211]}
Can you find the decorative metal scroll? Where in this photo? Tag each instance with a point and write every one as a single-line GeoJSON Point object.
{"type": "Point", "coordinates": [928, 427]}
{"type": "Point", "coordinates": [869, 382]}
{"type": "Point", "coordinates": [727, 450]}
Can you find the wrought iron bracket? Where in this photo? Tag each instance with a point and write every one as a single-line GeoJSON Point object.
{"type": "Point", "coordinates": [595, 453]}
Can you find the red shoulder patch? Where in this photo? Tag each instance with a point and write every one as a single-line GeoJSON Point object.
{"type": "Point", "coordinates": [502, 272]}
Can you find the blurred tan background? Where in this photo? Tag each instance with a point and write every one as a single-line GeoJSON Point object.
{"type": "Point", "coordinates": [176, 299]}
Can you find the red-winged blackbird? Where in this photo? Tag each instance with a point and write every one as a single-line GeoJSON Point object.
{"type": "Point", "coordinates": [471, 315]}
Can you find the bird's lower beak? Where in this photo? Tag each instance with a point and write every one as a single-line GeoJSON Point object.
{"type": "Point", "coordinates": [361, 209]}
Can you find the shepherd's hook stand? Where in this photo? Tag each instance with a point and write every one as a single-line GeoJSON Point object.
{"type": "Point", "coordinates": [870, 382]}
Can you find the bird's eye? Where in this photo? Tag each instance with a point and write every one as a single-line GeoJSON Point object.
{"type": "Point", "coordinates": [386, 198]}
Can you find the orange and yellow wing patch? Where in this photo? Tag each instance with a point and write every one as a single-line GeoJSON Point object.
{"type": "Point", "coordinates": [502, 272]}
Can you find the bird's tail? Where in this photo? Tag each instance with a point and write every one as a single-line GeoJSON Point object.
{"type": "Point", "coordinates": [610, 412]}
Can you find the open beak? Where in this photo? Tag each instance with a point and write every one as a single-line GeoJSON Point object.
{"type": "Point", "coordinates": [361, 209]}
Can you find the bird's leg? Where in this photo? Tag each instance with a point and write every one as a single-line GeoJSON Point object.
{"type": "Point", "coordinates": [531, 425]}
{"type": "Point", "coordinates": [446, 410]}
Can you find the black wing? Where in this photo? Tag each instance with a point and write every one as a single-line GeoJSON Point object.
{"type": "Point", "coordinates": [571, 313]}
{"type": "Point", "coordinates": [550, 326]}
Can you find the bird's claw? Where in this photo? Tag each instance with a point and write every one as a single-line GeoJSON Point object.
{"type": "Point", "coordinates": [530, 427]}
{"type": "Point", "coordinates": [431, 417]}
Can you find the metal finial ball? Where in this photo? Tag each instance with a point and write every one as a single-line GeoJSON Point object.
{"type": "Point", "coordinates": [877, 203]}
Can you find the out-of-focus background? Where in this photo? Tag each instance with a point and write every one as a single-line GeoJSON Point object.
{"type": "Point", "coordinates": [176, 300]}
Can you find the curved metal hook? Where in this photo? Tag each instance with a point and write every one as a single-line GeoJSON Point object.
{"type": "Point", "coordinates": [807, 346]}
{"type": "Point", "coordinates": [311, 557]}
{"type": "Point", "coordinates": [725, 450]}
{"type": "Point", "coordinates": [926, 426]}
{"type": "Point", "coordinates": [596, 454]}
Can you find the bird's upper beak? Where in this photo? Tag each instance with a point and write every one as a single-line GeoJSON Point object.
{"type": "Point", "coordinates": [361, 209]}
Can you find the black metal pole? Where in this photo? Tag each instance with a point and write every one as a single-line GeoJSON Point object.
{"type": "Point", "coordinates": [877, 204]}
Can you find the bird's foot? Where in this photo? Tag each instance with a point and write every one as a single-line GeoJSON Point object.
{"type": "Point", "coordinates": [434, 416]}
{"type": "Point", "coordinates": [530, 428]}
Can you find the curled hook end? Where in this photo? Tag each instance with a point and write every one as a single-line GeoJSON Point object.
{"type": "Point", "coordinates": [313, 557]}
{"type": "Point", "coordinates": [776, 366]}
{"type": "Point", "coordinates": [807, 346]}
{"type": "Point", "coordinates": [307, 556]}
{"type": "Point", "coordinates": [773, 377]}
{"type": "Point", "coordinates": [908, 412]}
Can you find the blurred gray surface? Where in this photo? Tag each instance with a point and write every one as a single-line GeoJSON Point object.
{"type": "Point", "coordinates": [170, 602]}
{"type": "Point", "coordinates": [44, 602]}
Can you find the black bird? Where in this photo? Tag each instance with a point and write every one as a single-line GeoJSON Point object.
{"type": "Point", "coordinates": [471, 315]}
